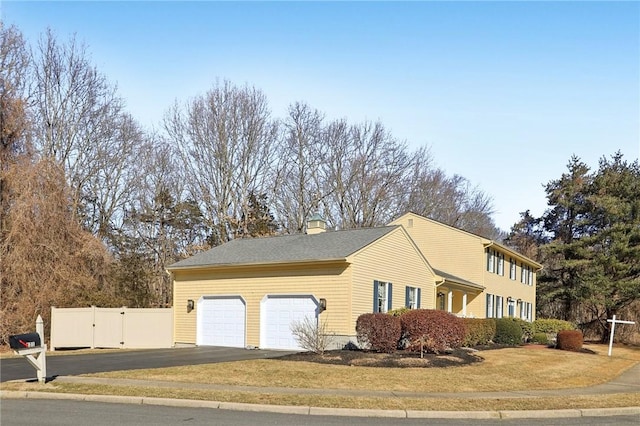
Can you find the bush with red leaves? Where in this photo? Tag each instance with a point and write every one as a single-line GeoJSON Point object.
{"type": "Point", "coordinates": [570, 340]}
{"type": "Point", "coordinates": [378, 332]}
{"type": "Point", "coordinates": [432, 330]}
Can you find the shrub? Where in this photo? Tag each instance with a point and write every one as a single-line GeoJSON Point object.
{"type": "Point", "coordinates": [508, 332]}
{"type": "Point", "coordinates": [378, 332]}
{"type": "Point", "coordinates": [432, 330]}
{"type": "Point", "coordinates": [479, 331]}
{"type": "Point", "coordinates": [526, 326]}
{"type": "Point", "coordinates": [311, 334]}
{"type": "Point", "coordinates": [540, 338]}
{"type": "Point", "coordinates": [548, 325]}
{"type": "Point", "coordinates": [569, 340]}
{"type": "Point", "coordinates": [399, 312]}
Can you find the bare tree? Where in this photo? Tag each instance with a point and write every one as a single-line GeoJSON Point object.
{"type": "Point", "coordinates": [80, 122]}
{"type": "Point", "coordinates": [46, 258]}
{"type": "Point", "coordinates": [226, 141]}
{"type": "Point", "coordinates": [14, 127]}
{"type": "Point", "coordinates": [368, 167]}
{"type": "Point", "coordinates": [160, 227]}
{"type": "Point", "coordinates": [300, 183]}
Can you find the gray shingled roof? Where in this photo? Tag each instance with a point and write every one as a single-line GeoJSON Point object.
{"type": "Point", "coordinates": [286, 248]}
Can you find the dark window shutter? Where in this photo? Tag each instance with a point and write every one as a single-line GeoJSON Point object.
{"type": "Point", "coordinates": [418, 301]}
{"type": "Point", "coordinates": [389, 296]}
{"type": "Point", "coordinates": [375, 296]}
{"type": "Point", "coordinates": [407, 290]}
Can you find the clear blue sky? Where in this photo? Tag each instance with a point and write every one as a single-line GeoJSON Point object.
{"type": "Point", "coordinates": [503, 92]}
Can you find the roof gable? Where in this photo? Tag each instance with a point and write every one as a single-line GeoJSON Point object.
{"type": "Point", "coordinates": [336, 245]}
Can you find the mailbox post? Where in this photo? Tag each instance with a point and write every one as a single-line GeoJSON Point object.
{"type": "Point", "coordinates": [32, 347]}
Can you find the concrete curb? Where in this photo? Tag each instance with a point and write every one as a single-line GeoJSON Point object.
{"type": "Point", "coordinates": [323, 411]}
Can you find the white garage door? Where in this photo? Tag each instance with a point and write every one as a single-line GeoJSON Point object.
{"type": "Point", "coordinates": [221, 321]}
{"type": "Point", "coordinates": [276, 315]}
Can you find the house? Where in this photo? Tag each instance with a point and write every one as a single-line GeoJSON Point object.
{"type": "Point", "coordinates": [482, 278]}
{"type": "Point", "coordinates": [247, 292]}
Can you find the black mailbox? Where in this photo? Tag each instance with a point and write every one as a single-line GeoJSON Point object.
{"type": "Point", "coordinates": [25, 341]}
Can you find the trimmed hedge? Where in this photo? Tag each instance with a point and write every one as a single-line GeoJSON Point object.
{"type": "Point", "coordinates": [432, 330]}
{"type": "Point", "coordinates": [540, 338]}
{"type": "Point", "coordinates": [570, 340]}
{"type": "Point", "coordinates": [508, 332]}
{"type": "Point", "coordinates": [379, 332]}
{"type": "Point", "coordinates": [479, 331]}
{"type": "Point", "coordinates": [548, 325]}
{"type": "Point", "coordinates": [527, 328]}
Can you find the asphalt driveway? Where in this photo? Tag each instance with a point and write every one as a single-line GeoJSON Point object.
{"type": "Point", "coordinates": [74, 364]}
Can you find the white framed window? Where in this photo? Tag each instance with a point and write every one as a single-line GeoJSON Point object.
{"type": "Point", "coordinates": [530, 277]}
{"type": "Point", "coordinates": [490, 260]}
{"type": "Point", "coordinates": [523, 273]}
{"type": "Point", "coordinates": [382, 296]}
{"type": "Point", "coordinates": [512, 268]}
{"type": "Point", "coordinates": [498, 306]}
{"type": "Point", "coordinates": [500, 257]}
{"type": "Point", "coordinates": [490, 305]}
{"type": "Point", "coordinates": [511, 307]}
{"type": "Point", "coordinates": [523, 310]}
{"type": "Point", "coordinates": [412, 298]}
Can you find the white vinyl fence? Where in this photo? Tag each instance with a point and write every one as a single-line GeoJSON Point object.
{"type": "Point", "coordinates": [132, 328]}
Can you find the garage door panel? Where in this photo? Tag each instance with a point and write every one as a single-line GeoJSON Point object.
{"type": "Point", "coordinates": [221, 321]}
{"type": "Point", "coordinates": [279, 312]}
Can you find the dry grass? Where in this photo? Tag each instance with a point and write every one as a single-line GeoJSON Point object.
{"type": "Point", "coordinates": [503, 370]}
{"type": "Point", "coordinates": [382, 403]}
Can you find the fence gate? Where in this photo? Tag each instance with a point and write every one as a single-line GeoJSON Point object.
{"type": "Point", "coordinates": [93, 327]}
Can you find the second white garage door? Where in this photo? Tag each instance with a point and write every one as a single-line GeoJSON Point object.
{"type": "Point", "coordinates": [276, 315]}
{"type": "Point", "coordinates": [221, 321]}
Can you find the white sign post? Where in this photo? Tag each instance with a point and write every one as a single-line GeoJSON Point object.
{"type": "Point", "coordinates": [613, 322]}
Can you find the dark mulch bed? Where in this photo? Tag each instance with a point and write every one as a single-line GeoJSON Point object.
{"type": "Point", "coordinates": [400, 359]}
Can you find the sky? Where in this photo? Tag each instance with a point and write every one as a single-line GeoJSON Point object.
{"type": "Point", "coordinates": [503, 93]}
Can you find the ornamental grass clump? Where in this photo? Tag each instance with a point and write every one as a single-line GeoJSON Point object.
{"type": "Point", "coordinates": [432, 330]}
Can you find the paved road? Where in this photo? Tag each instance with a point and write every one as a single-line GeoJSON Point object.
{"type": "Point", "coordinates": [18, 412]}
{"type": "Point", "coordinates": [74, 364]}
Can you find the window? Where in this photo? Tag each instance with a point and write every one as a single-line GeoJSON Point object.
{"type": "Point", "coordinates": [529, 312]}
{"type": "Point", "coordinates": [412, 298]}
{"type": "Point", "coordinates": [498, 306]}
{"type": "Point", "coordinates": [441, 301]}
{"type": "Point", "coordinates": [489, 305]}
{"type": "Point", "coordinates": [523, 273]}
{"type": "Point", "coordinates": [490, 260]}
{"type": "Point", "coordinates": [500, 264]}
{"type": "Point", "coordinates": [381, 296]}
{"type": "Point", "coordinates": [530, 278]}
{"type": "Point", "coordinates": [512, 268]}
{"type": "Point", "coordinates": [511, 307]}
{"type": "Point", "coordinates": [495, 262]}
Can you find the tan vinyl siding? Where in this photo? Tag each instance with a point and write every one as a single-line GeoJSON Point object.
{"type": "Point", "coordinates": [446, 248]}
{"type": "Point", "coordinates": [393, 258]}
{"type": "Point", "coordinates": [253, 284]}
{"type": "Point", "coordinates": [463, 254]}
{"type": "Point", "coordinates": [506, 287]}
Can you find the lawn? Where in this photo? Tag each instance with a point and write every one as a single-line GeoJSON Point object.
{"type": "Point", "coordinates": [509, 369]}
